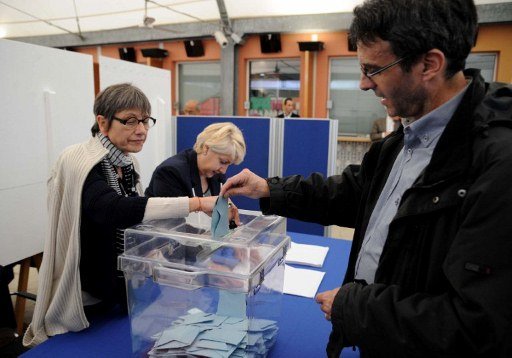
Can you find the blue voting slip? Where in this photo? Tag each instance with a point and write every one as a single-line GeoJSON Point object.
{"type": "Point", "coordinates": [216, 336]}
{"type": "Point", "coordinates": [220, 222]}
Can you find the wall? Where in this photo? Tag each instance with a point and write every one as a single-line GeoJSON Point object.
{"type": "Point", "coordinates": [497, 38]}
{"type": "Point", "coordinates": [177, 54]}
{"type": "Point", "coordinates": [492, 38]}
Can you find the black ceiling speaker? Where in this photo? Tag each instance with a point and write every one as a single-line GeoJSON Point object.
{"type": "Point", "coordinates": [127, 54]}
{"type": "Point", "coordinates": [194, 48]}
{"type": "Point", "coordinates": [270, 43]}
{"type": "Point", "coordinates": [311, 46]}
{"type": "Point", "coordinates": [154, 52]}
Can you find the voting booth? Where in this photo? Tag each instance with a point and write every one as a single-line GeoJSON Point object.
{"type": "Point", "coordinates": [193, 295]}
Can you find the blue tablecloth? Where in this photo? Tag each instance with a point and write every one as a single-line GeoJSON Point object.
{"type": "Point", "coordinates": [303, 330]}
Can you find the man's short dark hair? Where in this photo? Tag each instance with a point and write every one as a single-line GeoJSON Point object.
{"type": "Point", "coordinates": [413, 27]}
{"type": "Point", "coordinates": [287, 99]}
{"type": "Point", "coordinates": [117, 98]}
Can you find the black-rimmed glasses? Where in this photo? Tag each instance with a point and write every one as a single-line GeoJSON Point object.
{"type": "Point", "coordinates": [369, 74]}
{"type": "Point", "coordinates": [133, 122]}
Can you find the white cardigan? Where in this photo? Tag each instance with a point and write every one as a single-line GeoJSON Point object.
{"type": "Point", "coordinates": [59, 306]}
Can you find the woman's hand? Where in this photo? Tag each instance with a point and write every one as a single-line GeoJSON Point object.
{"type": "Point", "coordinates": [233, 214]}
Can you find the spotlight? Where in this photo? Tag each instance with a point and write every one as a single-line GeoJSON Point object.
{"type": "Point", "coordinates": [236, 38]}
{"type": "Point", "coordinates": [221, 38]}
{"type": "Point", "coordinates": [148, 21]}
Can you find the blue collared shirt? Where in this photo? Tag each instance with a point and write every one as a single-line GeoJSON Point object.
{"type": "Point", "coordinates": [420, 139]}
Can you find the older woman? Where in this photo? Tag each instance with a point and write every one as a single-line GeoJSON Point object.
{"type": "Point", "coordinates": [201, 170]}
{"type": "Point", "coordinates": [94, 193]}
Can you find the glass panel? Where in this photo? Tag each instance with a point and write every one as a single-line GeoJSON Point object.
{"type": "Point", "coordinates": [354, 109]}
{"type": "Point", "coordinates": [200, 81]}
{"type": "Point", "coordinates": [270, 82]}
{"type": "Point", "coordinates": [486, 62]}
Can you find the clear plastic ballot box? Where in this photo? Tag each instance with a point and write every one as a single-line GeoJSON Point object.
{"type": "Point", "coordinates": [191, 295]}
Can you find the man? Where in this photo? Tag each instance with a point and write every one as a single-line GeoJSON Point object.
{"type": "Point", "coordinates": [430, 270]}
{"type": "Point", "coordinates": [288, 109]}
{"type": "Point", "coordinates": [383, 127]}
{"type": "Point", "coordinates": [191, 108]}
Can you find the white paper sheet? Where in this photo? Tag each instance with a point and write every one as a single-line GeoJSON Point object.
{"type": "Point", "coordinates": [310, 255]}
{"type": "Point", "coordinates": [301, 282]}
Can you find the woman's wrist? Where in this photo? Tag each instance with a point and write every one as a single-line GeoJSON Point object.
{"type": "Point", "coordinates": [195, 204]}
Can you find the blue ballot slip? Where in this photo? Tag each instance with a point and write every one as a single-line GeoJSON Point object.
{"type": "Point", "coordinates": [220, 222]}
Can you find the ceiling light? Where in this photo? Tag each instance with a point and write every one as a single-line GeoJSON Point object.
{"type": "Point", "coordinates": [148, 21]}
{"type": "Point", "coordinates": [236, 38]}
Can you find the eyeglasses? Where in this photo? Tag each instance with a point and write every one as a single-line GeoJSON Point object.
{"type": "Point", "coordinates": [133, 122]}
{"type": "Point", "coordinates": [368, 74]}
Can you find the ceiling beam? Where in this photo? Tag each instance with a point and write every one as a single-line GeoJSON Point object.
{"type": "Point", "coordinates": [488, 13]}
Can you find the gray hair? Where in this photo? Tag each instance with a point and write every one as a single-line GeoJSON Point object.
{"type": "Point", "coordinates": [222, 138]}
{"type": "Point", "coordinates": [117, 98]}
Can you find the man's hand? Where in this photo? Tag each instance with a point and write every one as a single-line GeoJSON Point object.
{"type": "Point", "coordinates": [325, 299]}
{"type": "Point", "coordinates": [246, 183]}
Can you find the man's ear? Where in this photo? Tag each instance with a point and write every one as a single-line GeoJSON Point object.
{"type": "Point", "coordinates": [103, 124]}
{"type": "Point", "coordinates": [434, 64]}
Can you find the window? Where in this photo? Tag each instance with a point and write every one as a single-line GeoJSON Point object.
{"type": "Point", "coordinates": [200, 81]}
{"type": "Point", "coordinates": [354, 109]}
{"type": "Point", "coordinates": [486, 62]}
{"type": "Point", "coordinates": [270, 82]}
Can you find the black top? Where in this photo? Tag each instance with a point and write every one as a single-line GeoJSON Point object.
{"type": "Point", "coordinates": [177, 175]}
{"type": "Point", "coordinates": [104, 211]}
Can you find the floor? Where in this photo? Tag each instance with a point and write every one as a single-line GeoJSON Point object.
{"type": "Point", "coordinates": [336, 232]}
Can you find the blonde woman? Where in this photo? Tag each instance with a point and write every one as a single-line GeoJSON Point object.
{"type": "Point", "coordinates": [201, 170]}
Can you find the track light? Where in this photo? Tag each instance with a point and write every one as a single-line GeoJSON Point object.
{"type": "Point", "coordinates": [148, 21]}
{"type": "Point", "coordinates": [221, 38]}
{"type": "Point", "coordinates": [236, 38]}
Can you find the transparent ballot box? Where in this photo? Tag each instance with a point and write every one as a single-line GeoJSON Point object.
{"type": "Point", "coordinates": [191, 295]}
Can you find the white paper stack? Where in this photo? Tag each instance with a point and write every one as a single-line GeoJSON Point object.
{"type": "Point", "coordinates": [310, 255]}
{"type": "Point", "coordinates": [301, 282]}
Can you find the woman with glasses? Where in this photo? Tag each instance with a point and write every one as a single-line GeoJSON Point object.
{"type": "Point", "coordinates": [200, 171]}
{"type": "Point", "coordinates": [94, 193]}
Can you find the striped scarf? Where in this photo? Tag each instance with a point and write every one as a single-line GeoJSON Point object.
{"type": "Point", "coordinates": [124, 186]}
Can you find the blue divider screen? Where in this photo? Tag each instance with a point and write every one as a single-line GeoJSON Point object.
{"type": "Point", "coordinates": [256, 132]}
{"type": "Point", "coordinates": [306, 150]}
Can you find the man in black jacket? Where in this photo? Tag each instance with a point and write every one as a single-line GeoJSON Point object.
{"type": "Point", "coordinates": [430, 269]}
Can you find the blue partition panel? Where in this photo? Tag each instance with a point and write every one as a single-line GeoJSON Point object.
{"type": "Point", "coordinates": [305, 150]}
{"type": "Point", "coordinates": [256, 131]}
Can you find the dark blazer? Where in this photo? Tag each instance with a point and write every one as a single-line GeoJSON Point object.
{"type": "Point", "coordinates": [177, 175]}
{"type": "Point", "coordinates": [281, 115]}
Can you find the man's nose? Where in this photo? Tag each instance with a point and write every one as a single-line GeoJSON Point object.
{"type": "Point", "coordinates": [365, 83]}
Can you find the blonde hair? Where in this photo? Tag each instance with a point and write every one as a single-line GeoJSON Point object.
{"type": "Point", "coordinates": [222, 138]}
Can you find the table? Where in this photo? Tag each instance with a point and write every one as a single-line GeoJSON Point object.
{"type": "Point", "coordinates": [303, 330]}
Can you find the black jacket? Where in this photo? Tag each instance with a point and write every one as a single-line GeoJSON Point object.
{"type": "Point", "coordinates": [443, 286]}
{"type": "Point", "coordinates": [177, 175]}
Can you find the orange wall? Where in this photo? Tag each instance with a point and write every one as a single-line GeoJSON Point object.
{"type": "Point", "coordinates": [491, 38]}
{"type": "Point", "coordinates": [497, 38]}
{"type": "Point", "coordinates": [177, 53]}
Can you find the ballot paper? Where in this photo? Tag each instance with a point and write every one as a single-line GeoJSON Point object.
{"type": "Point", "coordinates": [310, 255]}
{"type": "Point", "coordinates": [216, 336]}
{"type": "Point", "coordinates": [220, 222]}
{"type": "Point", "coordinates": [301, 282]}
